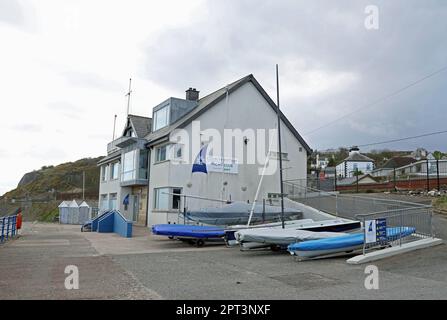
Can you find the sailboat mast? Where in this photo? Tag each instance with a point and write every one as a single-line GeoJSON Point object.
{"type": "Point", "coordinates": [279, 147]}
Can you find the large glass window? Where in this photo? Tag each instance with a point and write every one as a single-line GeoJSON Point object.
{"type": "Point", "coordinates": [114, 168]}
{"type": "Point", "coordinates": [129, 166]}
{"type": "Point", "coordinates": [161, 198]}
{"type": "Point", "coordinates": [161, 154]}
{"type": "Point", "coordinates": [142, 170]}
{"type": "Point", "coordinates": [161, 118]}
{"type": "Point", "coordinates": [167, 198]}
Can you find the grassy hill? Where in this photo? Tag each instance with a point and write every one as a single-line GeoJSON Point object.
{"type": "Point", "coordinates": [39, 192]}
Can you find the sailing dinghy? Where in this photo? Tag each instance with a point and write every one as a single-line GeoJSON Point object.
{"type": "Point", "coordinates": [239, 213]}
{"type": "Point", "coordinates": [294, 231]}
{"type": "Point", "coordinates": [344, 243]}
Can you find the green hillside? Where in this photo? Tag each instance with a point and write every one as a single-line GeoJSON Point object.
{"type": "Point", "coordinates": [40, 191]}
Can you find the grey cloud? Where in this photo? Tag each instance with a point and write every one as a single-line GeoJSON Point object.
{"type": "Point", "coordinates": [54, 153]}
{"type": "Point", "coordinates": [89, 80]}
{"type": "Point", "coordinates": [66, 109]}
{"type": "Point", "coordinates": [312, 40]}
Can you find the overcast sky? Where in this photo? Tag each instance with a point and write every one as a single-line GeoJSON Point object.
{"type": "Point", "coordinates": [65, 65]}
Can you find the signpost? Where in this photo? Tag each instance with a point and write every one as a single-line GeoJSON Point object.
{"type": "Point", "coordinates": [375, 231]}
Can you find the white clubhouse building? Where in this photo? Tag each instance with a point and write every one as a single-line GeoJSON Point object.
{"type": "Point", "coordinates": [236, 125]}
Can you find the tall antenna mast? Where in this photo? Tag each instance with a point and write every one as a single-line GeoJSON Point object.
{"type": "Point", "coordinates": [128, 95]}
{"type": "Point", "coordinates": [114, 126]}
{"type": "Point", "coordinates": [279, 148]}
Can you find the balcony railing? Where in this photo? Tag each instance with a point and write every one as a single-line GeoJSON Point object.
{"type": "Point", "coordinates": [119, 143]}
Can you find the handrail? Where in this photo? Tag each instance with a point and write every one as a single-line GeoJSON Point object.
{"type": "Point", "coordinates": [8, 227]}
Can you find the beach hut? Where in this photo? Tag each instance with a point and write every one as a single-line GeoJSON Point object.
{"type": "Point", "coordinates": [63, 212]}
{"type": "Point", "coordinates": [73, 213]}
{"type": "Point", "coordinates": [84, 212]}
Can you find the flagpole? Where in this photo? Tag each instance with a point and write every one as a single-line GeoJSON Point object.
{"type": "Point", "coordinates": [279, 147]}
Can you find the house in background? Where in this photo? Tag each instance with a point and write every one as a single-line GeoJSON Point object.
{"type": "Point", "coordinates": [124, 171]}
{"type": "Point", "coordinates": [355, 162]}
{"type": "Point", "coordinates": [419, 154]}
{"type": "Point", "coordinates": [320, 163]}
{"type": "Point", "coordinates": [388, 168]}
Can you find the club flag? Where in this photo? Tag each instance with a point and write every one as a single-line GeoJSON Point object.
{"type": "Point", "coordinates": [126, 200]}
{"type": "Point", "coordinates": [199, 164]}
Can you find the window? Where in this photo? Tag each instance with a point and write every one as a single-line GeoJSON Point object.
{"type": "Point", "coordinates": [176, 199]}
{"type": "Point", "coordinates": [104, 172]}
{"type": "Point", "coordinates": [161, 118]}
{"type": "Point", "coordinates": [103, 206]}
{"type": "Point", "coordinates": [114, 170]}
{"type": "Point", "coordinates": [129, 167]}
{"type": "Point", "coordinates": [112, 201]}
{"type": "Point", "coordinates": [166, 200]}
{"type": "Point", "coordinates": [161, 199]}
{"type": "Point", "coordinates": [161, 154]}
{"type": "Point", "coordinates": [177, 151]}
{"type": "Point", "coordinates": [142, 170]}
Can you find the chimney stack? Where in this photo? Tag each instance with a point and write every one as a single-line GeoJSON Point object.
{"type": "Point", "coordinates": [192, 94]}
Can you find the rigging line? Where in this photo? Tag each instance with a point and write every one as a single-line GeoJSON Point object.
{"type": "Point", "coordinates": [402, 139]}
{"type": "Point", "coordinates": [384, 98]}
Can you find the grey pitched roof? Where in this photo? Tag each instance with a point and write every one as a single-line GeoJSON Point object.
{"type": "Point", "coordinates": [212, 99]}
{"type": "Point", "coordinates": [358, 157]}
{"type": "Point", "coordinates": [141, 125]}
{"type": "Point", "coordinates": [396, 162]}
{"type": "Point", "coordinates": [352, 180]}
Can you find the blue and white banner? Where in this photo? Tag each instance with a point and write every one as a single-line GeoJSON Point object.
{"type": "Point", "coordinates": [199, 164]}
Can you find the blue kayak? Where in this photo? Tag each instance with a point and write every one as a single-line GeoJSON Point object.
{"type": "Point", "coordinates": [345, 243]}
{"type": "Point", "coordinates": [188, 231]}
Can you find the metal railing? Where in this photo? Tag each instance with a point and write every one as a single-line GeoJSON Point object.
{"type": "Point", "coordinates": [344, 205]}
{"type": "Point", "coordinates": [399, 221]}
{"type": "Point", "coordinates": [396, 227]}
{"type": "Point", "coordinates": [8, 227]}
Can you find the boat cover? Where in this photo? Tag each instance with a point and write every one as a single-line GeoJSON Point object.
{"type": "Point", "coordinates": [347, 241]}
{"type": "Point", "coordinates": [239, 212]}
{"type": "Point", "coordinates": [281, 236]}
{"type": "Point", "coordinates": [188, 231]}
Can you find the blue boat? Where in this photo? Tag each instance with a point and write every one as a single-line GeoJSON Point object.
{"type": "Point", "coordinates": [346, 243]}
{"type": "Point", "coordinates": [193, 234]}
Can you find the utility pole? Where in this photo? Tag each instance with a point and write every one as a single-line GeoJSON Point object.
{"type": "Point", "coordinates": [128, 95]}
{"type": "Point", "coordinates": [83, 185]}
{"type": "Point", "coordinates": [279, 148]}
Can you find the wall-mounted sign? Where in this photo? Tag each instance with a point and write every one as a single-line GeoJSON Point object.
{"type": "Point", "coordinates": [218, 164]}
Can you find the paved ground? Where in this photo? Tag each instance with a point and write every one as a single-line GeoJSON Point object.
{"type": "Point", "coordinates": [148, 267]}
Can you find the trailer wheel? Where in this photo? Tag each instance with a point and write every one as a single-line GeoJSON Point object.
{"type": "Point", "coordinates": [200, 243]}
